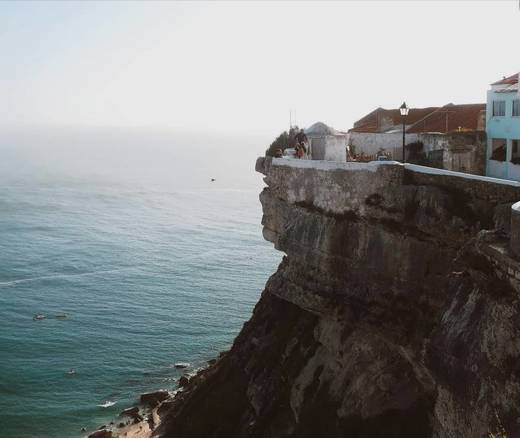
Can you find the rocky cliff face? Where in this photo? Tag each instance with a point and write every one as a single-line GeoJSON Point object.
{"type": "Point", "coordinates": [394, 313]}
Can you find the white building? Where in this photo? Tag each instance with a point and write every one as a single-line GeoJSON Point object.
{"type": "Point", "coordinates": [325, 143]}
{"type": "Point", "coordinates": [503, 129]}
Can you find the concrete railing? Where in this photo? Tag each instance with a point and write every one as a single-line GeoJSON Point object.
{"type": "Point", "coordinates": [340, 186]}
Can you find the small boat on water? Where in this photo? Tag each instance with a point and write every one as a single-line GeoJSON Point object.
{"type": "Point", "coordinates": [38, 316]}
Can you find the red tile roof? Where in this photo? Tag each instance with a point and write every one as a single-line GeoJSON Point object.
{"type": "Point", "coordinates": [381, 119]}
{"type": "Point", "coordinates": [451, 118]}
{"type": "Point", "coordinates": [513, 79]}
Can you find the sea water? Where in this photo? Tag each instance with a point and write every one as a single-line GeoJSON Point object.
{"type": "Point", "coordinates": [147, 272]}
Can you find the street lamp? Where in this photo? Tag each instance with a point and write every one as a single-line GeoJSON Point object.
{"type": "Point", "coordinates": [403, 109]}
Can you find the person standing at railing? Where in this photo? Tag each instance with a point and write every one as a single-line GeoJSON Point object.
{"type": "Point", "coordinates": [300, 150]}
{"type": "Point", "coordinates": [301, 139]}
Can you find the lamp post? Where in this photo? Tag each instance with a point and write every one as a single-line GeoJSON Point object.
{"type": "Point", "coordinates": [403, 109]}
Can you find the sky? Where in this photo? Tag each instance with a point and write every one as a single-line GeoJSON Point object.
{"type": "Point", "coordinates": [242, 67]}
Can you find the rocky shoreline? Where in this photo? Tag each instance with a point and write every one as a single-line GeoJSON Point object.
{"type": "Point", "coordinates": [136, 421]}
{"type": "Point", "coordinates": [141, 420]}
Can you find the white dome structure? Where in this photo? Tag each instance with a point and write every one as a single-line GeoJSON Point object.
{"type": "Point", "coordinates": [319, 128]}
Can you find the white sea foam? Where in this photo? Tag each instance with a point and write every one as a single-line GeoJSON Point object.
{"type": "Point", "coordinates": [107, 404]}
{"type": "Point", "coordinates": [50, 277]}
{"type": "Point", "coordinates": [86, 274]}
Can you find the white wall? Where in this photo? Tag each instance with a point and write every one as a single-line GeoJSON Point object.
{"type": "Point", "coordinates": [329, 148]}
{"type": "Point", "coordinates": [513, 171]}
{"type": "Point", "coordinates": [497, 169]}
{"type": "Point", "coordinates": [372, 143]}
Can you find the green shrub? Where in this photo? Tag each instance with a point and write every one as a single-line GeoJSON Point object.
{"type": "Point", "coordinates": [283, 141]}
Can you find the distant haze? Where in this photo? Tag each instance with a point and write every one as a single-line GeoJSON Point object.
{"type": "Point", "coordinates": [171, 159]}
{"type": "Point", "coordinates": [240, 67]}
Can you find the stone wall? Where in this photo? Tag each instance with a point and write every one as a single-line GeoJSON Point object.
{"type": "Point", "coordinates": [371, 143]}
{"type": "Point", "coordinates": [335, 188]}
{"type": "Point", "coordinates": [342, 187]}
{"type": "Point", "coordinates": [495, 191]}
{"type": "Point", "coordinates": [376, 189]}
{"type": "Point", "coordinates": [461, 152]}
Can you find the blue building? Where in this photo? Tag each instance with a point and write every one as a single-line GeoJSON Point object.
{"type": "Point", "coordinates": [503, 129]}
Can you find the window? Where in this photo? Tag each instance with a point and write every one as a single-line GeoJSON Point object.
{"type": "Point", "coordinates": [498, 149]}
{"type": "Point", "coordinates": [516, 108]}
{"type": "Point", "coordinates": [515, 151]}
{"type": "Point", "coordinates": [499, 108]}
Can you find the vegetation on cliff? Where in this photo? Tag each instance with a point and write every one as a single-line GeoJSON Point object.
{"type": "Point", "coordinates": [283, 141]}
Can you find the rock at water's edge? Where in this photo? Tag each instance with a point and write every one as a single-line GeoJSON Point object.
{"type": "Point", "coordinates": [132, 412]}
{"type": "Point", "coordinates": [152, 399]}
{"type": "Point", "coordinates": [183, 381]}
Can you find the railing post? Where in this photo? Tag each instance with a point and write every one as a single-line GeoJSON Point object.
{"type": "Point", "coordinates": [514, 242]}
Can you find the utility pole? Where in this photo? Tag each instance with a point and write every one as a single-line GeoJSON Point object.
{"type": "Point", "coordinates": [404, 138]}
{"type": "Point", "coordinates": [447, 118]}
{"type": "Point", "coordinates": [403, 109]}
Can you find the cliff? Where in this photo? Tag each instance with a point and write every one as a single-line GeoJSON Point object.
{"type": "Point", "coordinates": [394, 312]}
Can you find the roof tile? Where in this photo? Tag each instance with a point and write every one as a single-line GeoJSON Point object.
{"type": "Point", "coordinates": [380, 120]}
{"type": "Point", "coordinates": [452, 118]}
{"type": "Point", "coordinates": [510, 80]}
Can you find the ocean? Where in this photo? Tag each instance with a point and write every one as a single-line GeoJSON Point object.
{"type": "Point", "coordinates": [149, 271]}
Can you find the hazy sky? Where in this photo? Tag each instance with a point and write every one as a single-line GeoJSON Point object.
{"type": "Point", "coordinates": [242, 66]}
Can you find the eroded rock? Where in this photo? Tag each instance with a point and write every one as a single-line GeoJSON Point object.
{"type": "Point", "coordinates": [152, 399]}
{"type": "Point", "coordinates": [395, 313]}
{"type": "Point", "coordinates": [183, 381]}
